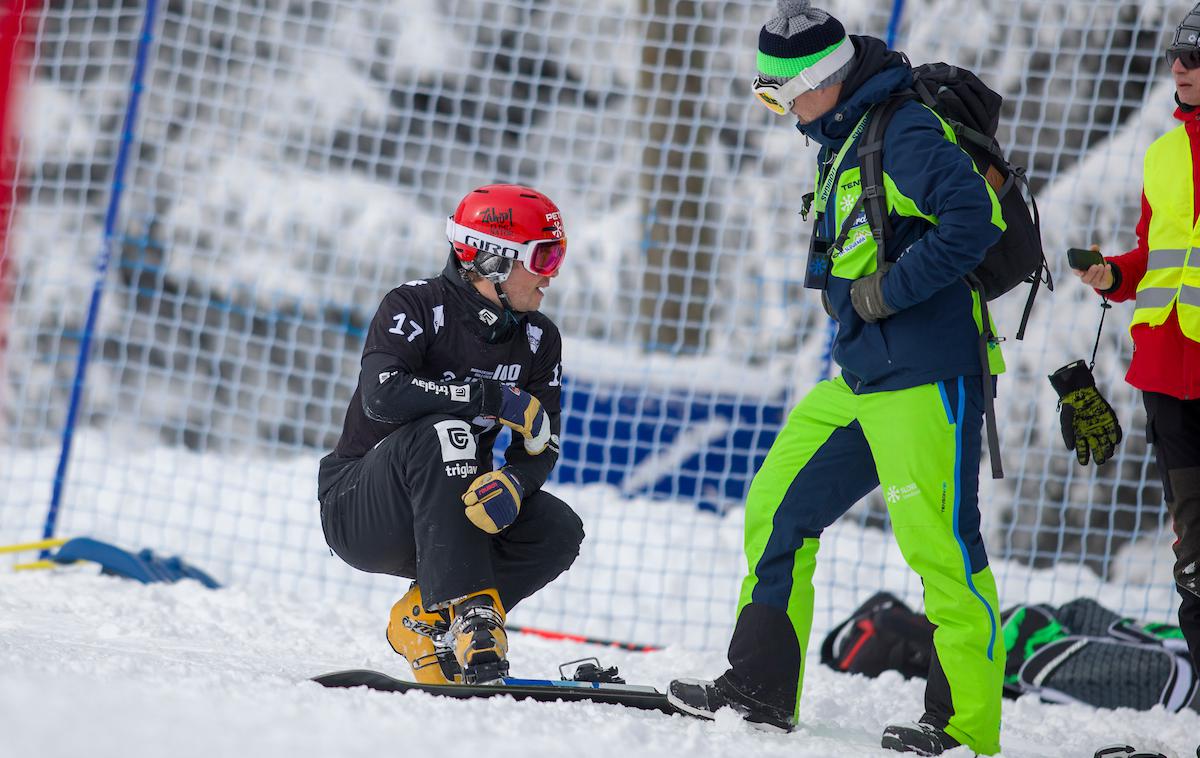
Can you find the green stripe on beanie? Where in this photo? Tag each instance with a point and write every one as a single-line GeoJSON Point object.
{"type": "Point", "coordinates": [786, 68]}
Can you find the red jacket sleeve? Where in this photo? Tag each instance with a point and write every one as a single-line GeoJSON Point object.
{"type": "Point", "coordinates": [1132, 265]}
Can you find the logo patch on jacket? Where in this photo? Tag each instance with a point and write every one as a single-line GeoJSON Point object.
{"type": "Point", "coordinates": [534, 333]}
{"type": "Point", "coordinates": [857, 238]}
{"type": "Point", "coordinates": [458, 444]}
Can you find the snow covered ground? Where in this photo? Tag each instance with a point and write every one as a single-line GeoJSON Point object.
{"type": "Point", "coordinates": [96, 666]}
{"type": "Point", "coordinates": [101, 667]}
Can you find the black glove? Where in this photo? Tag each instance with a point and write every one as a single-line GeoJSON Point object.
{"type": "Point", "coordinates": [1089, 424]}
{"type": "Point", "coordinates": [866, 295]}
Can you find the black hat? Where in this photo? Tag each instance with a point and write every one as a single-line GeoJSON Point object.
{"type": "Point", "coordinates": [1187, 34]}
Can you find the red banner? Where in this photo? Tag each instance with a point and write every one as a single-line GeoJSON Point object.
{"type": "Point", "coordinates": [16, 25]}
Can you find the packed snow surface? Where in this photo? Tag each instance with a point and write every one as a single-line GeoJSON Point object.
{"type": "Point", "coordinates": [98, 666]}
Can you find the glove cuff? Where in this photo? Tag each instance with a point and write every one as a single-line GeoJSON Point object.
{"type": "Point", "coordinates": [490, 397]}
{"type": "Point", "coordinates": [1072, 377]}
{"type": "Point", "coordinates": [511, 473]}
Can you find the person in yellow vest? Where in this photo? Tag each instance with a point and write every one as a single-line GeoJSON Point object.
{"type": "Point", "coordinates": [1163, 274]}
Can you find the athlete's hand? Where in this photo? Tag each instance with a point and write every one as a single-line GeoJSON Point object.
{"type": "Point", "coordinates": [493, 500]}
{"type": "Point", "coordinates": [522, 413]}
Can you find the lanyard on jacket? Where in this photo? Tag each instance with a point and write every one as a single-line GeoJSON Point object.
{"type": "Point", "coordinates": [831, 175]}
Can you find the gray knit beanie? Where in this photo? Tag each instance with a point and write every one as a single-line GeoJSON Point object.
{"type": "Point", "coordinates": [1187, 34]}
{"type": "Point", "coordinates": [804, 41]}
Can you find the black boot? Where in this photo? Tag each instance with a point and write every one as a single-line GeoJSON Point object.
{"type": "Point", "coordinates": [920, 738]}
{"type": "Point", "coordinates": [700, 698]}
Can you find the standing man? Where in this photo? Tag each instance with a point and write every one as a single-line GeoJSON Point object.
{"type": "Point", "coordinates": [1163, 274]}
{"type": "Point", "coordinates": [409, 489]}
{"type": "Point", "coordinates": [906, 411]}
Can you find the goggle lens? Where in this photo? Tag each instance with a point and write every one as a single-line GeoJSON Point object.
{"type": "Point", "coordinates": [768, 94]}
{"type": "Point", "coordinates": [546, 257]}
{"type": "Point", "coordinates": [1188, 56]}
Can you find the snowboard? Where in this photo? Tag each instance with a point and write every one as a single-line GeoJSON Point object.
{"type": "Point", "coordinates": [541, 690]}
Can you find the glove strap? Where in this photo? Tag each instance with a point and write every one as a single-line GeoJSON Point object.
{"type": "Point", "coordinates": [511, 473]}
{"type": "Point", "coordinates": [1105, 306]}
{"type": "Point", "coordinates": [1071, 377]}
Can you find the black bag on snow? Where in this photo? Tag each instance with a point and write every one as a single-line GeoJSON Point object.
{"type": "Point", "coordinates": [882, 635]}
{"type": "Point", "coordinates": [972, 109]}
{"type": "Point", "coordinates": [1080, 652]}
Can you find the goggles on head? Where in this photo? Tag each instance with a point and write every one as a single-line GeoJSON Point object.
{"type": "Point", "coordinates": [541, 257]}
{"type": "Point", "coordinates": [779, 97]}
{"type": "Point", "coordinates": [1188, 55]}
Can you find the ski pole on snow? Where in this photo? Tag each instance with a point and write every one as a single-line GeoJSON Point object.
{"type": "Point", "coordinates": [566, 637]}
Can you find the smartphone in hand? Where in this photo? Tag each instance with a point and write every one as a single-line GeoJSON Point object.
{"type": "Point", "coordinates": [1081, 260]}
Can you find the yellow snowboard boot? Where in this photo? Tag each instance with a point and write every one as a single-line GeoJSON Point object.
{"type": "Point", "coordinates": [477, 634]}
{"type": "Point", "coordinates": [421, 637]}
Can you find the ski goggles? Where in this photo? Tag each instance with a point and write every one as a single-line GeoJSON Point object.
{"type": "Point", "coordinates": [541, 257]}
{"type": "Point", "coordinates": [1187, 55]}
{"type": "Point", "coordinates": [779, 97]}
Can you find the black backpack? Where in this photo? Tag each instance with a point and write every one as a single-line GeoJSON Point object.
{"type": "Point", "coordinates": [972, 109]}
{"type": "Point", "coordinates": [882, 635]}
{"type": "Point", "coordinates": [1078, 652]}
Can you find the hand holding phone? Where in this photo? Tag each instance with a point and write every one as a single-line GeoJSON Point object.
{"type": "Point", "coordinates": [1081, 260]}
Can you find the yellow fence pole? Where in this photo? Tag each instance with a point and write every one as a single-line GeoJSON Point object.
{"type": "Point", "coordinates": [39, 545]}
{"type": "Point", "coordinates": [36, 565]}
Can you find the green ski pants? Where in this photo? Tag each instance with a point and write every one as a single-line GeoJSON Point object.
{"type": "Point", "coordinates": [923, 445]}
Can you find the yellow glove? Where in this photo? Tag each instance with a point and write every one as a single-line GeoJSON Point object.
{"type": "Point", "coordinates": [522, 413]}
{"type": "Point", "coordinates": [493, 500]}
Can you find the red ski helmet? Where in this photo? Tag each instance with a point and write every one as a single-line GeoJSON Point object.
{"type": "Point", "coordinates": [501, 223]}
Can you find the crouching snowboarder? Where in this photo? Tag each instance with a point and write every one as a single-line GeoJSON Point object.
{"type": "Point", "coordinates": [409, 489]}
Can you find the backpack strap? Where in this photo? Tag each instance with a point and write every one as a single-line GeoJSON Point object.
{"type": "Point", "coordinates": [870, 159]}
{"type": "Point", "coordinates": [847, 225]}
{"type": "Point", "coordinates": [1043, 270]}
{"type": "Point", "coordinates": [989, 388]}
{"type": "Point", "coordinates": [870, 156]}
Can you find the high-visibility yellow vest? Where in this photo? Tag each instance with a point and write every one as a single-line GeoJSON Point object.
{"type": "Point", "coordinates": [1172, 277]}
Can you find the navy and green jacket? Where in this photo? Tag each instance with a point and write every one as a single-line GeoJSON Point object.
{"type": "Point", "coordinates": [944, 217]}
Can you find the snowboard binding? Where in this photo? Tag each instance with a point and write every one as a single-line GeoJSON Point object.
{"type": "Point", "coordinates": [590, 670]}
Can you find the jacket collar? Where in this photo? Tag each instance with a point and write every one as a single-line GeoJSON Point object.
{"type": "Point", "coordinates": [878, 72]}
{"type": "Point", "coordinates": [1186, 113]}
{"type": "Point", "coordinates": [493, 322]}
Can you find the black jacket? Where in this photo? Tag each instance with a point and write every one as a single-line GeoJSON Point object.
{"type": "Point", "coordinates": [436, 346]}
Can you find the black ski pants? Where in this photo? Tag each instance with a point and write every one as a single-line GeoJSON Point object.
{"type": "Point", "coordinates": [398, 510]}
{"type": "Point", "coordinates": [1173, 429]}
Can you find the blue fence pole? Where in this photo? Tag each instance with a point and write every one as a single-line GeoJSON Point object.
{"type": "Point", "coordinates": [827, 356]}
{"type": "Point", "coordinates": [894, 24]}
{"type": "Point", "coordinates": [102, 260]}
